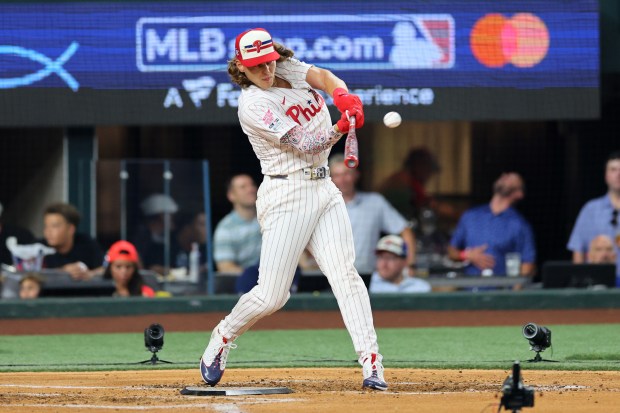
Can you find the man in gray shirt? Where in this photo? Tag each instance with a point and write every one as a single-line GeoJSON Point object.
{"type": "Point", "coordinates": [371, 216]}
{"type": "Point", "coordinates": [237, 238]}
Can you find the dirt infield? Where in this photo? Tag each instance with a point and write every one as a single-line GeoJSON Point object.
{"type": "Point", "coordinates": [315, 390]}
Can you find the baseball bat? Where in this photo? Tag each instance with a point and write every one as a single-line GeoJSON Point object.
{"type": "Point", "coordinates": [351, 152]}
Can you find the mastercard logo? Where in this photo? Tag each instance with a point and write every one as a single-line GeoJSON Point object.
{"type": "Point", "coordinates": [522, 40]}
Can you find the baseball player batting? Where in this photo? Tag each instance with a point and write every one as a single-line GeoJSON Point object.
{"type": "Point", "coordinates": [289, 127]}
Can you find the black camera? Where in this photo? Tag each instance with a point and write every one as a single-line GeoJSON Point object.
{"type": "Point", "coordinates": [538, 336]}
{"type": "Point", "coordinates": [514, 394]}
{"type": "Point", "coordinates": [154, 337]}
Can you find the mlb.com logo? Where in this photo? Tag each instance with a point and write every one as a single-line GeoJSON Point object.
{"type": "Point", "coordinates": [333, 41]}
{"type": "Point", "coordinates": [423, 41]}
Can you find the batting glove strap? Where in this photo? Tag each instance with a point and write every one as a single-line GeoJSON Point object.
{"type": "Point", "coordinates": [343, 124]}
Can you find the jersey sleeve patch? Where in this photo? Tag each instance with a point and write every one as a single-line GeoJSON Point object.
{"type": "Point", "coordinates": [272, 121]}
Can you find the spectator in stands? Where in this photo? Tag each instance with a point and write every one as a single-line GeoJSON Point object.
{"type": "Point", "coordinates": [600, 216]}
{"type": "Point", "coordinates": [192, 230]}
{"type": "Point", "coordinates": [30, 286]}
{"type": "Point", "coordinates": [602, 250]}
{"type": "Point", "coordinates": [406, 188]}
{"type": "Point", "coordinates": [76, 253]}
{"type": "Point", "coordinates": [485, 234]}
{"type": "Point", "coordinates": [371, 216]}
{"type": "Point", "coordinates": [22, 235]}
{"type": "Point", "coordinates": [391, 274]}
{"type": "Point", "coordinates": [237, 238]}
{"type": "Point", "coordinates": [159, 212]}
{"type": "Point", "coordinates": [123, 264]}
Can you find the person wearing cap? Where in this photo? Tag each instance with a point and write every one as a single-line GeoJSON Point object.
{"type": "Point", "coordinates": [159, 211]}
{"type": "Point", "coordinates": [123, 264]}
{"type": "Point", "coordinates": [76, 253]}
{"type": "Point", "coordinates": [7, 230]}
{"type": "Point", "coordinates": [406, 188]}
{"type": "Point", "coordinates": [406, 191]}
{"type": "Point", "coordinates": [392, 274]}
{"type": "Point", "coordinates": [283, 111]}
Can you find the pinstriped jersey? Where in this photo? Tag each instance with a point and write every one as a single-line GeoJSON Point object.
{"type": "Point", "coordinates": [266, 115]}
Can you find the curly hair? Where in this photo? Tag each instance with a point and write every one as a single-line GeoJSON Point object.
{"type": "Point", "coordinates": [241, 79]}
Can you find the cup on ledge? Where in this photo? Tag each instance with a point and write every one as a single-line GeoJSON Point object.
{"type": "Point", "coordinates": [513, 264]}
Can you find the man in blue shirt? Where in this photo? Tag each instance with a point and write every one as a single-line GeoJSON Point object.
{"type": "Point", "coordinates": [485, 234]}
{"type": "Point", "coordinates": [599, 216]}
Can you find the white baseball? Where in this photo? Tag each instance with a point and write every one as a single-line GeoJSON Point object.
{"type": "Point", "coordinates": [392, 119]}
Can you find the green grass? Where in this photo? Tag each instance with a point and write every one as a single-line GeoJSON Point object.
{"type": "Point", "coordinates": [575, 347]}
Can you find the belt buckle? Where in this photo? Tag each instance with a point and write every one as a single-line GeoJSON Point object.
{"type": "Point", "coordinates": [319, 173]}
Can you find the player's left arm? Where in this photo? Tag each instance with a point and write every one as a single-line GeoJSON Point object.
{"type": "Point", "coordinates": [324, 80]}
{"type": "Point", "coordinates": [331, 84]}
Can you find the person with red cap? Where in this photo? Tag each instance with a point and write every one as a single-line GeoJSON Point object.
{"type": "Point", "coordinates": [123, 264]}
{"type": "Point", "coordinates": [298, 206]}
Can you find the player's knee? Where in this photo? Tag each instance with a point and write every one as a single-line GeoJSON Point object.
{"type": "Point", "coordinates": [275, 305]}
{"type": "Point", "coordinates": [268, 304]}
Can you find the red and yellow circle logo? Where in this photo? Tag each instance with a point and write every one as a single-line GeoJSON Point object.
{"type": "Point", "coordinates": [522, 40]}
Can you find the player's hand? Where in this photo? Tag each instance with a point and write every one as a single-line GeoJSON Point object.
{"type": "Point", "coordinates": [344, 124]}
{"type": "Point", "coordinates": [346, 101]}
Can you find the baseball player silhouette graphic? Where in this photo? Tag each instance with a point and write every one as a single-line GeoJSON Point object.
{"type": "Point", "coordinates": [289, 127]}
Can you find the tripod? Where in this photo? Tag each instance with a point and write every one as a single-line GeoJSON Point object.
{"type": "Point", "coordinates": [538, 358]}
{"type": "Point", "coordinates": [154, 359]}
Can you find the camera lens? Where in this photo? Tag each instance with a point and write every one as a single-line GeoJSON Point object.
{"type": "Point", "coordinates": [154, 337]}
{"type": "Point", "coordinates": [156, 331]}
{"type": "Point", "coordinates": [530, 330]}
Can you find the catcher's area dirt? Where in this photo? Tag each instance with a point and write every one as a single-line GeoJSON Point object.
{"type": "Point", "coordinates": [315, 390]}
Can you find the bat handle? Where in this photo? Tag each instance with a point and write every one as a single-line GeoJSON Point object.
{"type": "Point", "coordinates": [351, 123]}
{"type": "Point", "coordinates": [351, 150]}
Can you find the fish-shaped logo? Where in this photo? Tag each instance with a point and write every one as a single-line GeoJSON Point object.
{"type": "Point", "coordinates": [49, 66]}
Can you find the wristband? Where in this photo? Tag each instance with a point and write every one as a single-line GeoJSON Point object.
{"type": "Point", "coordinates": [463, 255]}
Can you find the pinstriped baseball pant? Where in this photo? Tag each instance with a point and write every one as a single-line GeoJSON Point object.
{"type": "Point", "coordinates": [294, 214]}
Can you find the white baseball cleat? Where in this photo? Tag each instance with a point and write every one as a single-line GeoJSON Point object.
{"type": "Point", "coordinates": [373, 372]}
{"type": "Point", "coordinates": [213, 361]}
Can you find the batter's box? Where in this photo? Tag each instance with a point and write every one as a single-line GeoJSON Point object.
{"type": "Point", "coordinates": [233, 391]}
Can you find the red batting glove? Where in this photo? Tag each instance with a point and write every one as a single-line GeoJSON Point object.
{"type": "Point", "coordinates": [345, 101]}
{"type": "Point", "coordinates": [343, 124]}
{"type": "Point", "coordinates": [342, 99]}
{"type": "Point", "coordinates": [358, 112]}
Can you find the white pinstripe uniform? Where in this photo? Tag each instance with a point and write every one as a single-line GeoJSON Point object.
{"type": "Point", "coordinates": [295, 212]}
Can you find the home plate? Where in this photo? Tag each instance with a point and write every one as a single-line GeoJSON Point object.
{"type": "Point", "coordinates": [233, 391]}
